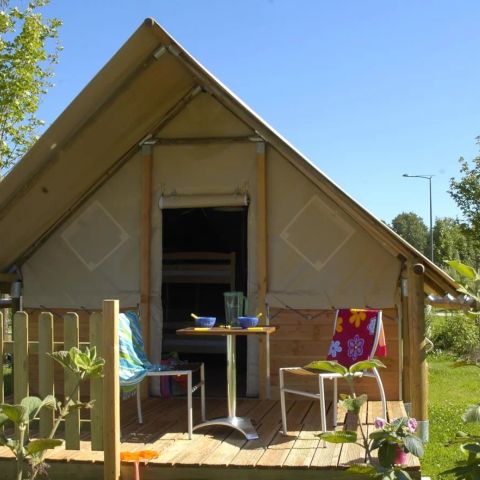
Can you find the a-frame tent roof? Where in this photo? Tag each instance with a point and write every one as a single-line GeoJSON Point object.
{"type": "Point", "coordinates": [145, 85]}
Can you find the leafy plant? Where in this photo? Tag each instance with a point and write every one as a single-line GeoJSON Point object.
{"type": "Point", "coordinates": [469, 467]}
{"type": "Point", "coordinates": [394, 435]}
{"type": "Point", "coordinates": [30, 454]}
{"type": "Point", "coordinates": [397, 433]}
{"type": "Point", "coordinates": [471, 286]}
{"type": "Point", "coordinates": [456, 334]}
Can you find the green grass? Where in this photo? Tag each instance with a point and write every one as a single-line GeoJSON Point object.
{"type": "Point", "coordinates": [451, 391]}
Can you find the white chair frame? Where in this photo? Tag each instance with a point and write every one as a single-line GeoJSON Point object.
{"type": "Point", "coordinates": [330, 376]}
{"type": "Point", "coordinates": [190, 389]}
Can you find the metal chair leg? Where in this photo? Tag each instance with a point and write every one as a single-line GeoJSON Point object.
{"type": "Point", "coordinates": [334, 402]}
{"type": "Point", "coordinates": [382, 391]}
{"type": "Point", "coordinates": [282, 402]}
{"type": "Point", "coordinates": [323, 418]}
{"type": "Point", "coordinates": [189, 405]}
{"type": "Point", "coordinates": [139, 404]}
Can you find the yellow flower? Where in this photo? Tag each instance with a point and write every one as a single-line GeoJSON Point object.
{"type": "Point", "coordinates": [339, 326]}
{"type": "Point", "coordinates": [357, 317]}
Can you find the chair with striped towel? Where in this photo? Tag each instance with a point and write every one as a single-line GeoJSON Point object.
{"type": "Point", "coordinates": [357, 335]}
{"type": "Point", "coordinates": [134, 366]}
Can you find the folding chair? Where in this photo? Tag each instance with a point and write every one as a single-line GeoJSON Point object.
{"type": "Point", "coordinates": [358, 335]}
{"type": "Point", "coordinates": [134, 366]}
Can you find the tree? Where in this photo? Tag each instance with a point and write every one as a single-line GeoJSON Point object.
{"type": "Point", "coordinates": [28, 49]}
{"type": "Point", "coordinates": [452, 242]}
{"type": "Point", "coordinates": [411, 228]}
{"type": "Point", "coordinates": [466, 193]}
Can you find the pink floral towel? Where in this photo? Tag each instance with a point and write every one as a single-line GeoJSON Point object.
{"type": "Point", "coordinates": [354, 336]}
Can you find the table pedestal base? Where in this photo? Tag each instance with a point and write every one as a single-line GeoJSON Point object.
{"type": "Point", "coordinates": [242, 424]}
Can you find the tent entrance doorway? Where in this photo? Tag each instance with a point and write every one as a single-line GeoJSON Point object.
{"type": "Point", "coordinates": [204, 255]}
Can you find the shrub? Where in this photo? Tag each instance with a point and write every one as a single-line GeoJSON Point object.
{"type": "Point", "coordinates": [457, 334]}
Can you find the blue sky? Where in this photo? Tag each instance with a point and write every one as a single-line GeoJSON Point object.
{"type": "Point", "coordinates": [367, 90]}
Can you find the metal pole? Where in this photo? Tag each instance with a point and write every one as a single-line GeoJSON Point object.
{"type": "Point", "coordinates": [429, 178]}
{"type": "Point", "coordinates": [431, 220]}
{"type": "Point", "coordinates": [231, 376]}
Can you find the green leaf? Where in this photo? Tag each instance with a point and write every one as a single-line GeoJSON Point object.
{"type": "Point", "coordinates": [366, 365]}
{"type": "Point", "coordinates": [400, 474]}
{"type": "Point", "coordinates": [32, 406]}
{"type": "Point", "coordinates": [342, 436]}
{"type": "Point", "coordinates": [327, 366]}
{"type": "Point", "coordinates": [386, 454]}
{"type": "Point", "coordinates": [15, 413]}
{"type": "Point", "coordinates": [62, 357]}
{"type": "Point", "coordinates": [472, 414]}
{"type": "Point", "coordinates": [414, 445]}
{"type": "Point", "coordinates": [378, 434]}
{"type": "Point", "coordinates": [354, 404]}
{"type": "Point", "coordinates": [41, 444]}
{"type": "Point", "coordinates": [85, 364]}
{"type": "Point", "coordinates": [49, 402]}
{"type": "Point", "coordinates": [464, 270]}
{"type": "Point", "coordinates": [3, 419]}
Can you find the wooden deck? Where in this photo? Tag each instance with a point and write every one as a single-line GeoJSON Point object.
{"type": "Point", "coordinates": [212, 450]}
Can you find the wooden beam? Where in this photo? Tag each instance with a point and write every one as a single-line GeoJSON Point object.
{"type": "Point", "coordinates": [262, 266]}
{"type": "Point", "coordinates": [33, 347]}
{"type": "Point", "coordinates": [406, 339]}
{"type": "Point", "coordinates": [206, 140]}
{"type": "Point", "coordinates": [145, 249]}
{"type": "Point", "coordinates": [111, 384]}
{"type": "Point", "coordinates": [418, 345]}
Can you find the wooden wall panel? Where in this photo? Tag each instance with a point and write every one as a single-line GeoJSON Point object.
{"type": "Point", "coordinates": [304, 335]}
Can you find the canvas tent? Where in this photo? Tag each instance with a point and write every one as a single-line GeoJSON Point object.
{"type": "Point", "coordinates": [155, 132]}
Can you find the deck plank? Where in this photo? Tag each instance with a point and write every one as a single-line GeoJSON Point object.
{"type": "Point", "coordinates": [228, 450]}
{"type": "Point", "coordinates": [211, 439]}
{"type": "Point", "coordinates": [268, 428]}
{"type": "Point", "coordinates": [351, 452]}
{"type": "Point", "coordinates": [280, 446]}
{"type": "Point", "coordinates": [374, 410]}
{"type": "Point", "coordinates": [394, 410]}
{"type": "Point", "coordinates": [218, 448]}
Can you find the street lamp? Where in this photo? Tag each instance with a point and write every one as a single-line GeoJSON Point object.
{"type": "Point", "coordinates": [429, 178]}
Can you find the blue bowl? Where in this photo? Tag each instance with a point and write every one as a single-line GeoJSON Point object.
{"type": "Point", "coordinates": [247, 322]}
{"type": "Point", "coordinates": [205, 322]}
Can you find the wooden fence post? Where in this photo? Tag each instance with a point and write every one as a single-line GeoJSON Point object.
{"type": "Point", "coordinates": [111, 412]}
{"type": "Point", "coordinates": [418, 348]}
{"type": "Point", "coordinates": [72, 421]}
{"type": "Point", "coordinates": [145, 252]}
{"type": "Point", "coordinates": [45, 369]}
{"type": "Point", "coordinates": [20, 357]}
{"type": "Point", "coordinates": [406, 339]}
{"type": "Point", "coordinates": [96, 385]}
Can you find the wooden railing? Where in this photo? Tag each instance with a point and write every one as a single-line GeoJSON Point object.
{"type": "Point", "coordinates": [104, 419]}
